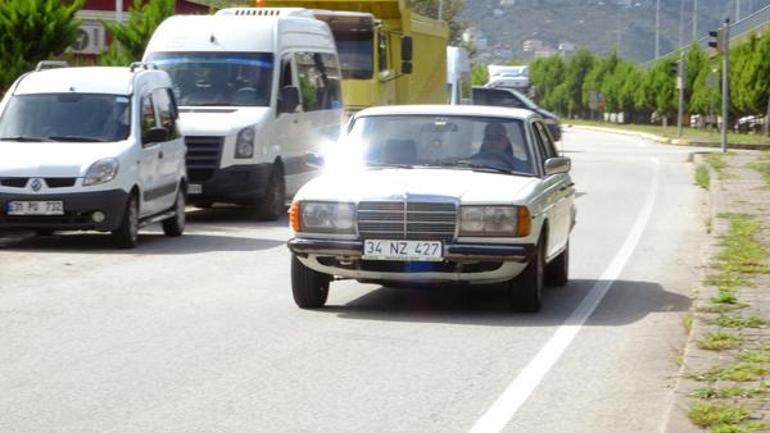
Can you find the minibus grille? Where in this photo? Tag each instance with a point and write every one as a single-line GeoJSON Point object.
{"type": "Point", "coordinates": [14, 182]}
{"type": "Point", "coordinates": [203, 154]}
{"type": "Point", "coordinates": [60, 182]}
{"type": "Point", "coordinates": [407, 220]}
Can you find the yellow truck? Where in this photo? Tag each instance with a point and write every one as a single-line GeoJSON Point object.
{"type": "Point", "coordinates": [388, 54]}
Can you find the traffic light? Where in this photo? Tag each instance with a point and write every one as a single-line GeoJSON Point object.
{"type": "Point", "coordinates": [716, 40]}
{"type": "Point", "coordinates": [675, 68]}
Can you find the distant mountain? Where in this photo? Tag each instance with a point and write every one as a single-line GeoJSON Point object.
{"type": "Point", "coordinates": [600, 25]}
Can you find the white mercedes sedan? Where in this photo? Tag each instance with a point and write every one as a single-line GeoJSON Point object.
{"type": "Point", "coordinates": [431, 195]}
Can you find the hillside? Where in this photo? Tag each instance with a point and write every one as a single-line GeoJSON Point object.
{"type": "Point", "coordinates": [600, 25]}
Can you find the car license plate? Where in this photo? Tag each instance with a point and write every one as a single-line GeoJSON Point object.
{"type": "Point", "coordinates": [194, 188]}
{"type": "Point", "coordinates": [35, 208]}
{"type": "Point", "coordinates": [419, 251]}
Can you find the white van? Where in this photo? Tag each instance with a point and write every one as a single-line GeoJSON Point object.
{"type": "Point", "coordinates": [458, 76]}
{"type": "Point", "coordinates": [92, 148]}
{"type": "Point", "coordinates": [259, 91]}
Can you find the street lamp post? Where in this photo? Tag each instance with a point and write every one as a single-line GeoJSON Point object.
{"type": "Point", "coordinates": [657, 29]}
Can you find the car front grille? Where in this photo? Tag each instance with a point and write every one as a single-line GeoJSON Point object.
{"type": "Point", "coordinates": [203, 155]}
{"type": "Point", "coordinates": [14, 182]}
{"type": "Point", "coordinates": [60, 182]}
{"type": "Point", "coordinates": [407, 220]}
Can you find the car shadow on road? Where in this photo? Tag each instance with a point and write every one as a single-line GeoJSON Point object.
{"type": "Point", "coordinates": [231, 215]}
{"type": "Point", "coordinates": [149, 244]}
{"type": "Point", "coordinates": [625, 303]}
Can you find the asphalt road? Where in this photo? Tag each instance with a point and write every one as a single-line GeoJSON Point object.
{"type": "Point", "coordinates": [200, 334]}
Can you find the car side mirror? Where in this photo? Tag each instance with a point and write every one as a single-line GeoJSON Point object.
{"type": "Point", "coordinates": [157, 134]}
{"type": "Point", "coordinates": [406, 48]}
{"type": "Point", "coordinates": [557, 165]}
{"type": "Point", "coordinates": [288, 99]}
{"type": "Point", "coordinates": [406, 68]}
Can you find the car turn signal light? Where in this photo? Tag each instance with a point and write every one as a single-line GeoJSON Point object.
{"type": "Point", "coordinates": [525, 222]}
{"type": "Point", "coordinates": [294, 217]}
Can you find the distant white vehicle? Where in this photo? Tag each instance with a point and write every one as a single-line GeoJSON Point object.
{"type": "Point", "coordinates": [92, 148]}
{"type": "Point", "coordinates": [259, 90]}
{"type": "Point", "coordinates": [516, 77]}
{"type": "Point", "coordinates": [458, 76]}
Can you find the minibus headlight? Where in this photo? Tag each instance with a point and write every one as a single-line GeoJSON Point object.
{"type": "Point", "coordinates": [244, 145]}
{"type": "Point", "coordinates": [102, 171]}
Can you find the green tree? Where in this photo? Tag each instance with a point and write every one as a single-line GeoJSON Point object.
{"type": "Point", "coordinates": [662, 83]}
{"type": "Point", "coordinates": [595, 78]}
{"type": "Point", "coordinates": [479, 75]}
{"type": "Point", "coordinates": [131, 38]}
{"type": "Point", "coordinates": [575, 71]}
{"type": "Point", "coordinates": [34, 30]}
{"type": "Point", "coordinates": [546, 74]}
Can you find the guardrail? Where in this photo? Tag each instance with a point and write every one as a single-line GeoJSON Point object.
{"type": "Point", "coordinates": [737, 30]}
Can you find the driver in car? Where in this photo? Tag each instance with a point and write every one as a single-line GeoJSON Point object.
{"type": "Point", "coordinates": [496, 148]}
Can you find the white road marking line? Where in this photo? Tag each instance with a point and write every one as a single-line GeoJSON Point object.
{"type": "Point", "coordinates": [516, 394]}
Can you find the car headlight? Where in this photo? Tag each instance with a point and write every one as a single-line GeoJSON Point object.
{"type": "Point", "coordinates": [244, 145]}
{"type": "Point", "coordinates": [323, 217]}
{"type": "Point", "coordinates": [102, 171]}
{"type": "Point", "coordinates": [494, 221]}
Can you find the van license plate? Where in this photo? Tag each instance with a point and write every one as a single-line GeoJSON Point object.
{"type": "Point", "coordinates": [417, 251]}
{"type": "Point", "coordinates": [194, 188]}
{"type": "Point", "coordinates": [35, 208]}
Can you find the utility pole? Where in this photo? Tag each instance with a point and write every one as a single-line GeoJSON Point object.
{"type": "Point", "coordinates": [694, 20]}
{"type": "Point", "coordinates": [681, 74]}
{"type": "Point", "coordinates": [725, 81]}
{"type": "Point", "coordinates": [737, 10]}
{"type": "Point", "coordinates": [119, 11]}
{"type": "Point", "coordinates": [657, 30]}
{"type": "Point", "coordinates": [440, 9]}
{"type": "Point", "coordinates": [681, 24]}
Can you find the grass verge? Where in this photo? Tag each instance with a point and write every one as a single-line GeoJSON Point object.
{"type": "Point", "coordinates": [718, 341]}
{"type": "Point", "coordinates": [708, 414]}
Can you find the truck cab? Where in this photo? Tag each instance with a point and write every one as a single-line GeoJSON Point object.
{"type": "Point", "coordinates": [259, 91]}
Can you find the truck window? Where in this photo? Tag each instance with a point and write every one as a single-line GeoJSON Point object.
{"type": "Point", "coordinates": [382, 52]}
{"type": "Point", "coordinates": [356, 50]}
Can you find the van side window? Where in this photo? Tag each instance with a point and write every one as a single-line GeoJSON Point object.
{"type": "Point", "coordinates": [319, 81]}
{"type": "Point", "coordinates": [166, 112]}
{"type": "Point", "coordinates": [148, 114]}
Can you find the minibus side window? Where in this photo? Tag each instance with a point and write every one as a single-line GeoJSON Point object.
{"type": "Point", "coordinates": [148, 116]}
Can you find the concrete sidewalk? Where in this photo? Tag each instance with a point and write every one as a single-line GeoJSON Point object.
{"type": "Point", "coordinates": [707, 382]}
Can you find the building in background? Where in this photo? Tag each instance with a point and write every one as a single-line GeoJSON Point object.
{"type": "Point", "coordinates": [94, 39]}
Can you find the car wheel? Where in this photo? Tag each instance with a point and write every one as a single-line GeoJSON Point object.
{"type": "Point", "coordinates": [526, 290]}
{"type": "Point", "coordinates": [309, 288]}
{"type": "Point", "coordinates": [557, 272]}
{"type": "Point", "coordinates": [273, 203]}
{"type": "Point", "coordinates": [174, 226]}
{"type": "Point", "coordinates": [127, 234]}
{"type": "Point", "coordinates": [44, 232]}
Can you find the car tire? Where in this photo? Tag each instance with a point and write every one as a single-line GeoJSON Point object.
{"type": "Point", "coordinates": [557, 272]}
{"type": "Point", "coordinates": [309, 288]}
{"type": "Point", "coordinates": [44, 232]}
{"type": "Point", "coordinates": [273, 203]}
{"type": "Point", "coordinates": [526, 290]}
{"type": "Point", "coordinates": [127, 234]}
{"type": "Point", "coordinates": [174, 226]}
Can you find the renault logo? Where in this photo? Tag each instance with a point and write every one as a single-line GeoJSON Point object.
{"type": "Point", "coordinates": [36, 185]}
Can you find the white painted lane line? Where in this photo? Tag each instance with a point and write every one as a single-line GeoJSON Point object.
{"type": "Point", "coordinates": [518, 391]}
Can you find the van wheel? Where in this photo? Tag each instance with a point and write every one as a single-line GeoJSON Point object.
{"type": "Point", "coordinates": [526, 290]}
{"type": "Point", "coordinates": [174, 226]}
{"type": "Point", "coordinates": [127, 234]}
{"type": "Point", "coordinates": [309, 288]}
{"type": "Point", "coordinates": [557, 272]}
{"type": "Point", "coordinates": [273, 203]}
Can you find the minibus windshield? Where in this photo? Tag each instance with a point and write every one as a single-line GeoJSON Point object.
{"type": "Point", "coordinates": [218, 79]}
{"type": "Point", "coordinates": [66, 117]}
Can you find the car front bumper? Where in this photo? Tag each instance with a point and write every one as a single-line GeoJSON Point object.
{"type": "Point", "coordinates": [472, 263]}
{"type": "Point", "coordinates": [78, 211]}
{"type": "Point", "coordinates": [240, 184]}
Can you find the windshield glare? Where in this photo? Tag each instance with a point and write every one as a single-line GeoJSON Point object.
{"type": "Point", "coordinates": [446, 141]}
{"type": "Point", "coordinates": [67, 117]}
{"type": "Point", "coordinates": [218, 79]}
{"type": "Point", "coordinates": [356, 53]}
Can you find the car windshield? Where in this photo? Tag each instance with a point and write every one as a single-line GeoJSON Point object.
{"type": "Point", "coordinates": [501, 98]}
{"type": "Point", "coordinates": [66, 117]}
{"type": "Point", "coordinates": [356, 52]}
{"type": "Point", "coordinates": [461, 142]}
{"type": "Point", "coordinates": [218, 79]}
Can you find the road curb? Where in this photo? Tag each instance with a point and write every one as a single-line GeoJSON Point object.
{"type": "Point", "coordinates": [678, 420]}
{"type": "Point", "coordinates": [671, 141]}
